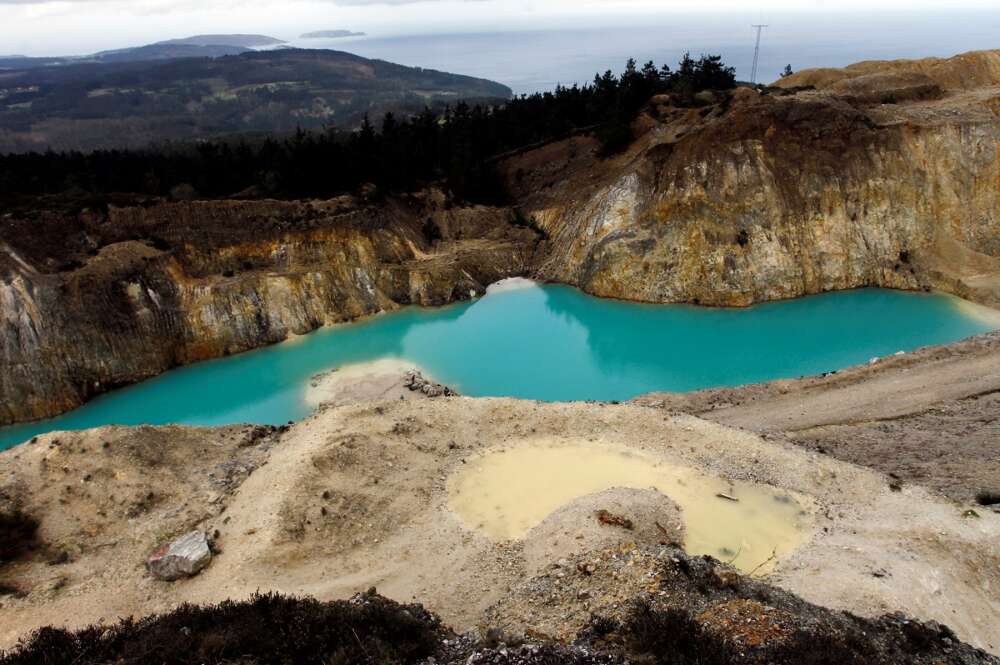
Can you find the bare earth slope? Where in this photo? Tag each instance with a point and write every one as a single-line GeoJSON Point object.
{"type": "Point", "coordinates": [931, 417]}
{"type": "Point", "coordinates": [357, 496]}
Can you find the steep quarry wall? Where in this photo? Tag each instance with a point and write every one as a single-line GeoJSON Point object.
{"type": "Point", "coordinates": [878, 175]}
{"type": "Point", "coordinates": [765, 196]}
{"type": "Point", "coordinates": [123, 297]}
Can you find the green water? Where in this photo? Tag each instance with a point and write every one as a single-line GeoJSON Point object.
{"type": "Point", "coordinates": [546, 343]}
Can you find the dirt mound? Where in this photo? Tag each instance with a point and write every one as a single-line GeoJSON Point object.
{"type": "Point", "coordinates": [603, 520]}
{"type": "Point", "coordinates": [962, 72]}
{"type": "Point", "coordinates": [659, 605]}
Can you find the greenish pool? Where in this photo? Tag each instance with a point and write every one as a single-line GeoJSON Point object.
{"type": "Point", "coordinates": [547, 343]}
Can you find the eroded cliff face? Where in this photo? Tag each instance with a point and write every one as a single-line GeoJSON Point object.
{"type": "Point", "coordinates": [747, 198]}
{"type": "Point", "coordinates": [761, 197]}
{"type": "Point", "coordinates": [121, 297]}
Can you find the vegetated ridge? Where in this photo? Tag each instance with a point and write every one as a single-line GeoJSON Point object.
{"type": "Point", "coordinates": [211, 46]}
{"type": "Point", "coordinates": [121, 102]}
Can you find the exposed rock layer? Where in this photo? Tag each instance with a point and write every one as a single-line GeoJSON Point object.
{"type": "Point", "coordinates": [753, 198]}
{"type": "Point", "coordinates": [767, 196]}
{"type": "Point", "coordinates": [123, 297]}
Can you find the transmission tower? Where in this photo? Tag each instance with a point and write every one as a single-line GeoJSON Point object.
{"type": "Point", "coordinates": [756, 53]}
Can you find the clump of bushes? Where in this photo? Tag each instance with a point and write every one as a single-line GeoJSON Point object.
{"type": "Point", "coordinates": [672, 637]}
{"type": "Point", "coordinates": [268, 628]}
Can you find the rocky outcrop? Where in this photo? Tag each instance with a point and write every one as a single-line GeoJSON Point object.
{"type": "Point", "coordinates": [98, 301]}
{"type": "Point", "coordinates": [416, 382]}
{"type": "Point", "coordinates": [765, 196]}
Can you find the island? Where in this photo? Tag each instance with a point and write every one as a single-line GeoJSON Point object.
{"type": "Point", "coordinates": [331, 34]}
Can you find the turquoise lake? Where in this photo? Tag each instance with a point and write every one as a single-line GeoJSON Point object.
{"type": "Point", "coordinates": [547, 343]}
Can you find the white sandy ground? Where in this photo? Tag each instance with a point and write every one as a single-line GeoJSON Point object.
{"type": "Point", "coordinates": [357, 496]}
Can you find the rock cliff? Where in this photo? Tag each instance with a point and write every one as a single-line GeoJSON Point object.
{"type": "Point", "coordinates": [97, 301]}
{"type": "Point", "coordinates": [755, 197]}
{"type": "Point", "coordinates": [883, 174]}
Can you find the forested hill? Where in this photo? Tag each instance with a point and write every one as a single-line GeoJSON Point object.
{"type": "Point", "coordinates": [131, 104]}
{"type": "Point", "coordinates": [457, 148]}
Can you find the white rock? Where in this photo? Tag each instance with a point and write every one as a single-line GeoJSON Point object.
{"type": "Point", "coordinates": [184, 557]}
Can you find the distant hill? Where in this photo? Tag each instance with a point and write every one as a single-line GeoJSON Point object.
{"type": "Point", "coordinates": [246, 41]}
{"type": "Point", "coordinates": [166, 51]}
{"type": "Point", "coordinates": [198, 46]}
{"type": "Point", "coordinates": [331, 34]}
{"type": "Point", "coordinates": [105, 104]}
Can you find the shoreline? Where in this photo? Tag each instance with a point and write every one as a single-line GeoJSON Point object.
{"type": "Point", "coordinates": [981, 313]}
{"type": "Point", "coordinates": [372, 380]}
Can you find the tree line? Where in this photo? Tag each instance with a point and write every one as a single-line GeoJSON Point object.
{"type": "Point", "coordinates": [456, 146]}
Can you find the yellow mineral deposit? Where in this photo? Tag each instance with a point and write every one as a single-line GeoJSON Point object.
{"type": "Point", "coordinates": [504, 493]}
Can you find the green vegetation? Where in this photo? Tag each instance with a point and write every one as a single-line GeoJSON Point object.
{"type": "Point", "coordinates": [130, 104]}
{"type": "Point", "coordinates": [457, 147]}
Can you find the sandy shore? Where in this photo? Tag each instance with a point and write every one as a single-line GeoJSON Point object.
{"type": "Point", "coordinates": [987, 315]}
{"type": "Point", "coordinates": [362, 382]}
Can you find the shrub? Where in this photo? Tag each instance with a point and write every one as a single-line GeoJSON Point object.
{"type": "Point", "coordinates": [672, 637]}
{"type": "Point", "coordinates": [18, 534]}
{"type": "Point", "coordinates": [265, 629]}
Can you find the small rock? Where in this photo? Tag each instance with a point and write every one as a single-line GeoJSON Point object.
{"type": "Point", "coordinates": [184, 557]}
{"type": "Point", "coordinates": [416, 382]}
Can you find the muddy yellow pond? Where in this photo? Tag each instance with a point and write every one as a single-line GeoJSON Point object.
{"type": "Point", "coordinates": [505, 493]}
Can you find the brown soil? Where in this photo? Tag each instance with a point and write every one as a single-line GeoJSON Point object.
{"type": "Point", "coordinates": [930, 417]}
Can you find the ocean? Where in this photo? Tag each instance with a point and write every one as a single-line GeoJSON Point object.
{"type": "Point", "coordinates": [538, 60]}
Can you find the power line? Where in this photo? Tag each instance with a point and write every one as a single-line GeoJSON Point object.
{"type": "Point", "coordinates": [756, 52]}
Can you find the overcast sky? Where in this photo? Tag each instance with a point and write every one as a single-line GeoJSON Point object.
{"type": "Point", "coordinates": [34, 27]}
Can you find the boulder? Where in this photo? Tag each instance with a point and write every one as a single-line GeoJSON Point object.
{"type": "Point", "coordinates": [181, 558]}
